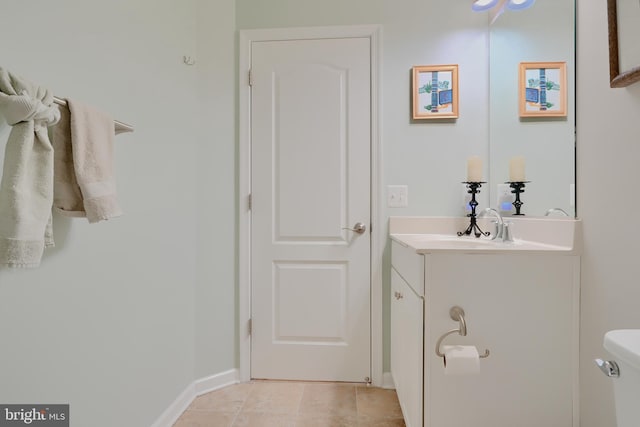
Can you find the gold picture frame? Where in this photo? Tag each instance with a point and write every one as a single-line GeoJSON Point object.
{"type": "Point", "coordinates": [435, 92]}
{"type": "Point", "coordinates": [543, 89]}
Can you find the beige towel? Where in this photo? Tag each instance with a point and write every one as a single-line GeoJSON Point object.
{"type": "Point", "coordinates": [84, 183]}
{"type": "Point", "coordinates": [26, 190]}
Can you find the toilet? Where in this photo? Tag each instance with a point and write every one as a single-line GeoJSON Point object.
{"type": "Point", "coordinates": [624, 346]}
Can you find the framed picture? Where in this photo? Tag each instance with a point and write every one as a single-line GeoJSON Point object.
{"type": "Point", "coordinates": [624, 64]}
{"type": "Point", "coordinates": [543, 89]}
{"type": "Point", "coordinates": [435, 91]}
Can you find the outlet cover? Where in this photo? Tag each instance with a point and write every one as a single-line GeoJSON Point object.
{"type": "Point", "coordinates": [572, 195]}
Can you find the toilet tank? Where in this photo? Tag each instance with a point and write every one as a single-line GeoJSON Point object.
{"type": "Point", "coordinates": [624, 345]}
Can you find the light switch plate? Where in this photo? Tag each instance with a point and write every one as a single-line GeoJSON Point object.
{"type": "Point", "coordinates": [397, 196]}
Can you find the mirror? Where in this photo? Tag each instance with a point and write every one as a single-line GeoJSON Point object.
{"type": "Point", "coordinates": [543, 33]}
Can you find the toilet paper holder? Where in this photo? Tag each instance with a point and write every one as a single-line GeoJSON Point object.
{"type": "Point", "coordinates": [457, 314]}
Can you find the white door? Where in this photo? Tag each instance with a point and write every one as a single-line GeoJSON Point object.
{"type": "Point", "coordinates": [310, 151]}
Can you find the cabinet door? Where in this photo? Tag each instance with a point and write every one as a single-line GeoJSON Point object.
{"type": "Point", "coordinates": [524, 309]}
{"type": "Point", "coordinates": [407, 355]}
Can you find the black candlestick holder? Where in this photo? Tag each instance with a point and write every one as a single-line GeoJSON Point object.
{"type": "Point", "coordinates": [474, 188]}
{"type": "Point", "coordinates": [517, 187]}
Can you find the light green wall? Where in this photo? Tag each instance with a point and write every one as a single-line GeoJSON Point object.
{"type": "Point", "coordinates": [430, 157]}
{"type": "Point", "coordinates": [216, 188]}
{"type": "Point", "coordinates": [306, 13]}
{"type": "Point", "coordinates": [106, 324]}
{"type": "Point", "coordinates": [607, 163]}
{"type": "Point", "coordinates": [135, 309]}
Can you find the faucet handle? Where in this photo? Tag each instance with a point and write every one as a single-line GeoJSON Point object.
{"type": "Point", "coordinates": [498, 222]}
{"type": "Point", "coordinates": [559, 210]}
{"type": "Point", "coordinates": [497, 229]}
{"type": "Point", "coordinates": [507, 235]}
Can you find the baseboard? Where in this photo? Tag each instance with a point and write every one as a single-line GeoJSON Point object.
{"type": "Point", "coordinates": [387, 381]}
{"type": "Point", "coordinates": [193, 390]}
{"type": "Point", "coordinates": [173, 412]}
{"type": "Point", "coordinates": [214, 382]}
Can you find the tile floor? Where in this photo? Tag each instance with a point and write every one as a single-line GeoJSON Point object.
{"type": "Point", "coordinates": [294, 404]}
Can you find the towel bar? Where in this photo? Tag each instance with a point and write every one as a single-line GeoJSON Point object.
{"type": "Point", "coordinates": [123, 127]}
{"type": "Point", "coordinates": [457, 314]}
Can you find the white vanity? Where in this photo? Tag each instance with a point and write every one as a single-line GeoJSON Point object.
{"type": "Point", "coordinates": [520, 301]}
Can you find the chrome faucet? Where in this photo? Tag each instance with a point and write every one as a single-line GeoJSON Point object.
{"type": "Point", "coordinates": [507, 235]}
{"type": "Point", "coordinates": [499, 222]}
{"type": "Point", "coordinates": [552, 210]}
{"type": "Point", "coordinates": [503, 228]}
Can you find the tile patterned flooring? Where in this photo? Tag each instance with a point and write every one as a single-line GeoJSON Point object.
{"type": "Point", "coordinates": [294, 404]}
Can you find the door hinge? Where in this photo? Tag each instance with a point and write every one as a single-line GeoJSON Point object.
{"type": "Point", "coordinates": [250, 326]}
{"type": "Point", "coordinates": [249, 202]}
{"type": "Point", "coordinates": [250, 78]}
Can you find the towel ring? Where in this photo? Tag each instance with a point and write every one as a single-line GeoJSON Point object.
{"type": "Point", "coordinates": [457, 314]}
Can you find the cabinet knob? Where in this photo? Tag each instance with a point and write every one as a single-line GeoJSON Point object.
{"type": "Point", "coordinates": [398, 295]}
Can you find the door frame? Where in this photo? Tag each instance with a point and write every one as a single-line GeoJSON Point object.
{"type": "Point", "coordinates": [246, 37]}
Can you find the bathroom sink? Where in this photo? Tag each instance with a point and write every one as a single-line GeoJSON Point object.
{"type": "Point", "coordinates": [437, 234]}
{"type": "Point", "coordinates": [443, 242]}
{"type": "Point", "coordinates": [456, 241]}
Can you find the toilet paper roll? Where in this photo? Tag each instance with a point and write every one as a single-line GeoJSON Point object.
{"type": "Point", "coordinates": [461, 360]}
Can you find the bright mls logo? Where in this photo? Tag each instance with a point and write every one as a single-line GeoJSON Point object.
{"type": "Point", "coordinates": [34, 415]}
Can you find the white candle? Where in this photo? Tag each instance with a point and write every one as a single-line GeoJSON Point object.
{"type": "Point", "coordinates": [516, 169]}
{"type": "Point", "coordinates": [474, 169]}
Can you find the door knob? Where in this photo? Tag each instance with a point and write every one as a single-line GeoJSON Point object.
{"type": "Point", "coordinates": [359, 228]}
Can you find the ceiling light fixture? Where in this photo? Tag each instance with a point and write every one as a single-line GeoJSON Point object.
{"type": "Point", "coordinates": [519, 4]}
{"type": "Point", "coordinates": [481, 5]}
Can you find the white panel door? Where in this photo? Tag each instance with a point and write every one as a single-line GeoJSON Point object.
{"type": "Point", "coordinates": [310, 150]}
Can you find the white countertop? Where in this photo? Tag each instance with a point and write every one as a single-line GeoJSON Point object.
{"type": "Point", "coordinates": [560, 236]}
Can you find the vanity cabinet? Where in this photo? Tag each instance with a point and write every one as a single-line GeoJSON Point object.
{"type": "Point", "coordinates": [521, 306]}
{"type": "Point", "coordinates": [407, 315]}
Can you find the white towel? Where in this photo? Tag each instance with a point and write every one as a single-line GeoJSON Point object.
{"type": "Point", "coordinates": [26, 190]}
{"type": "Point", "coordinates": [84, 178]}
